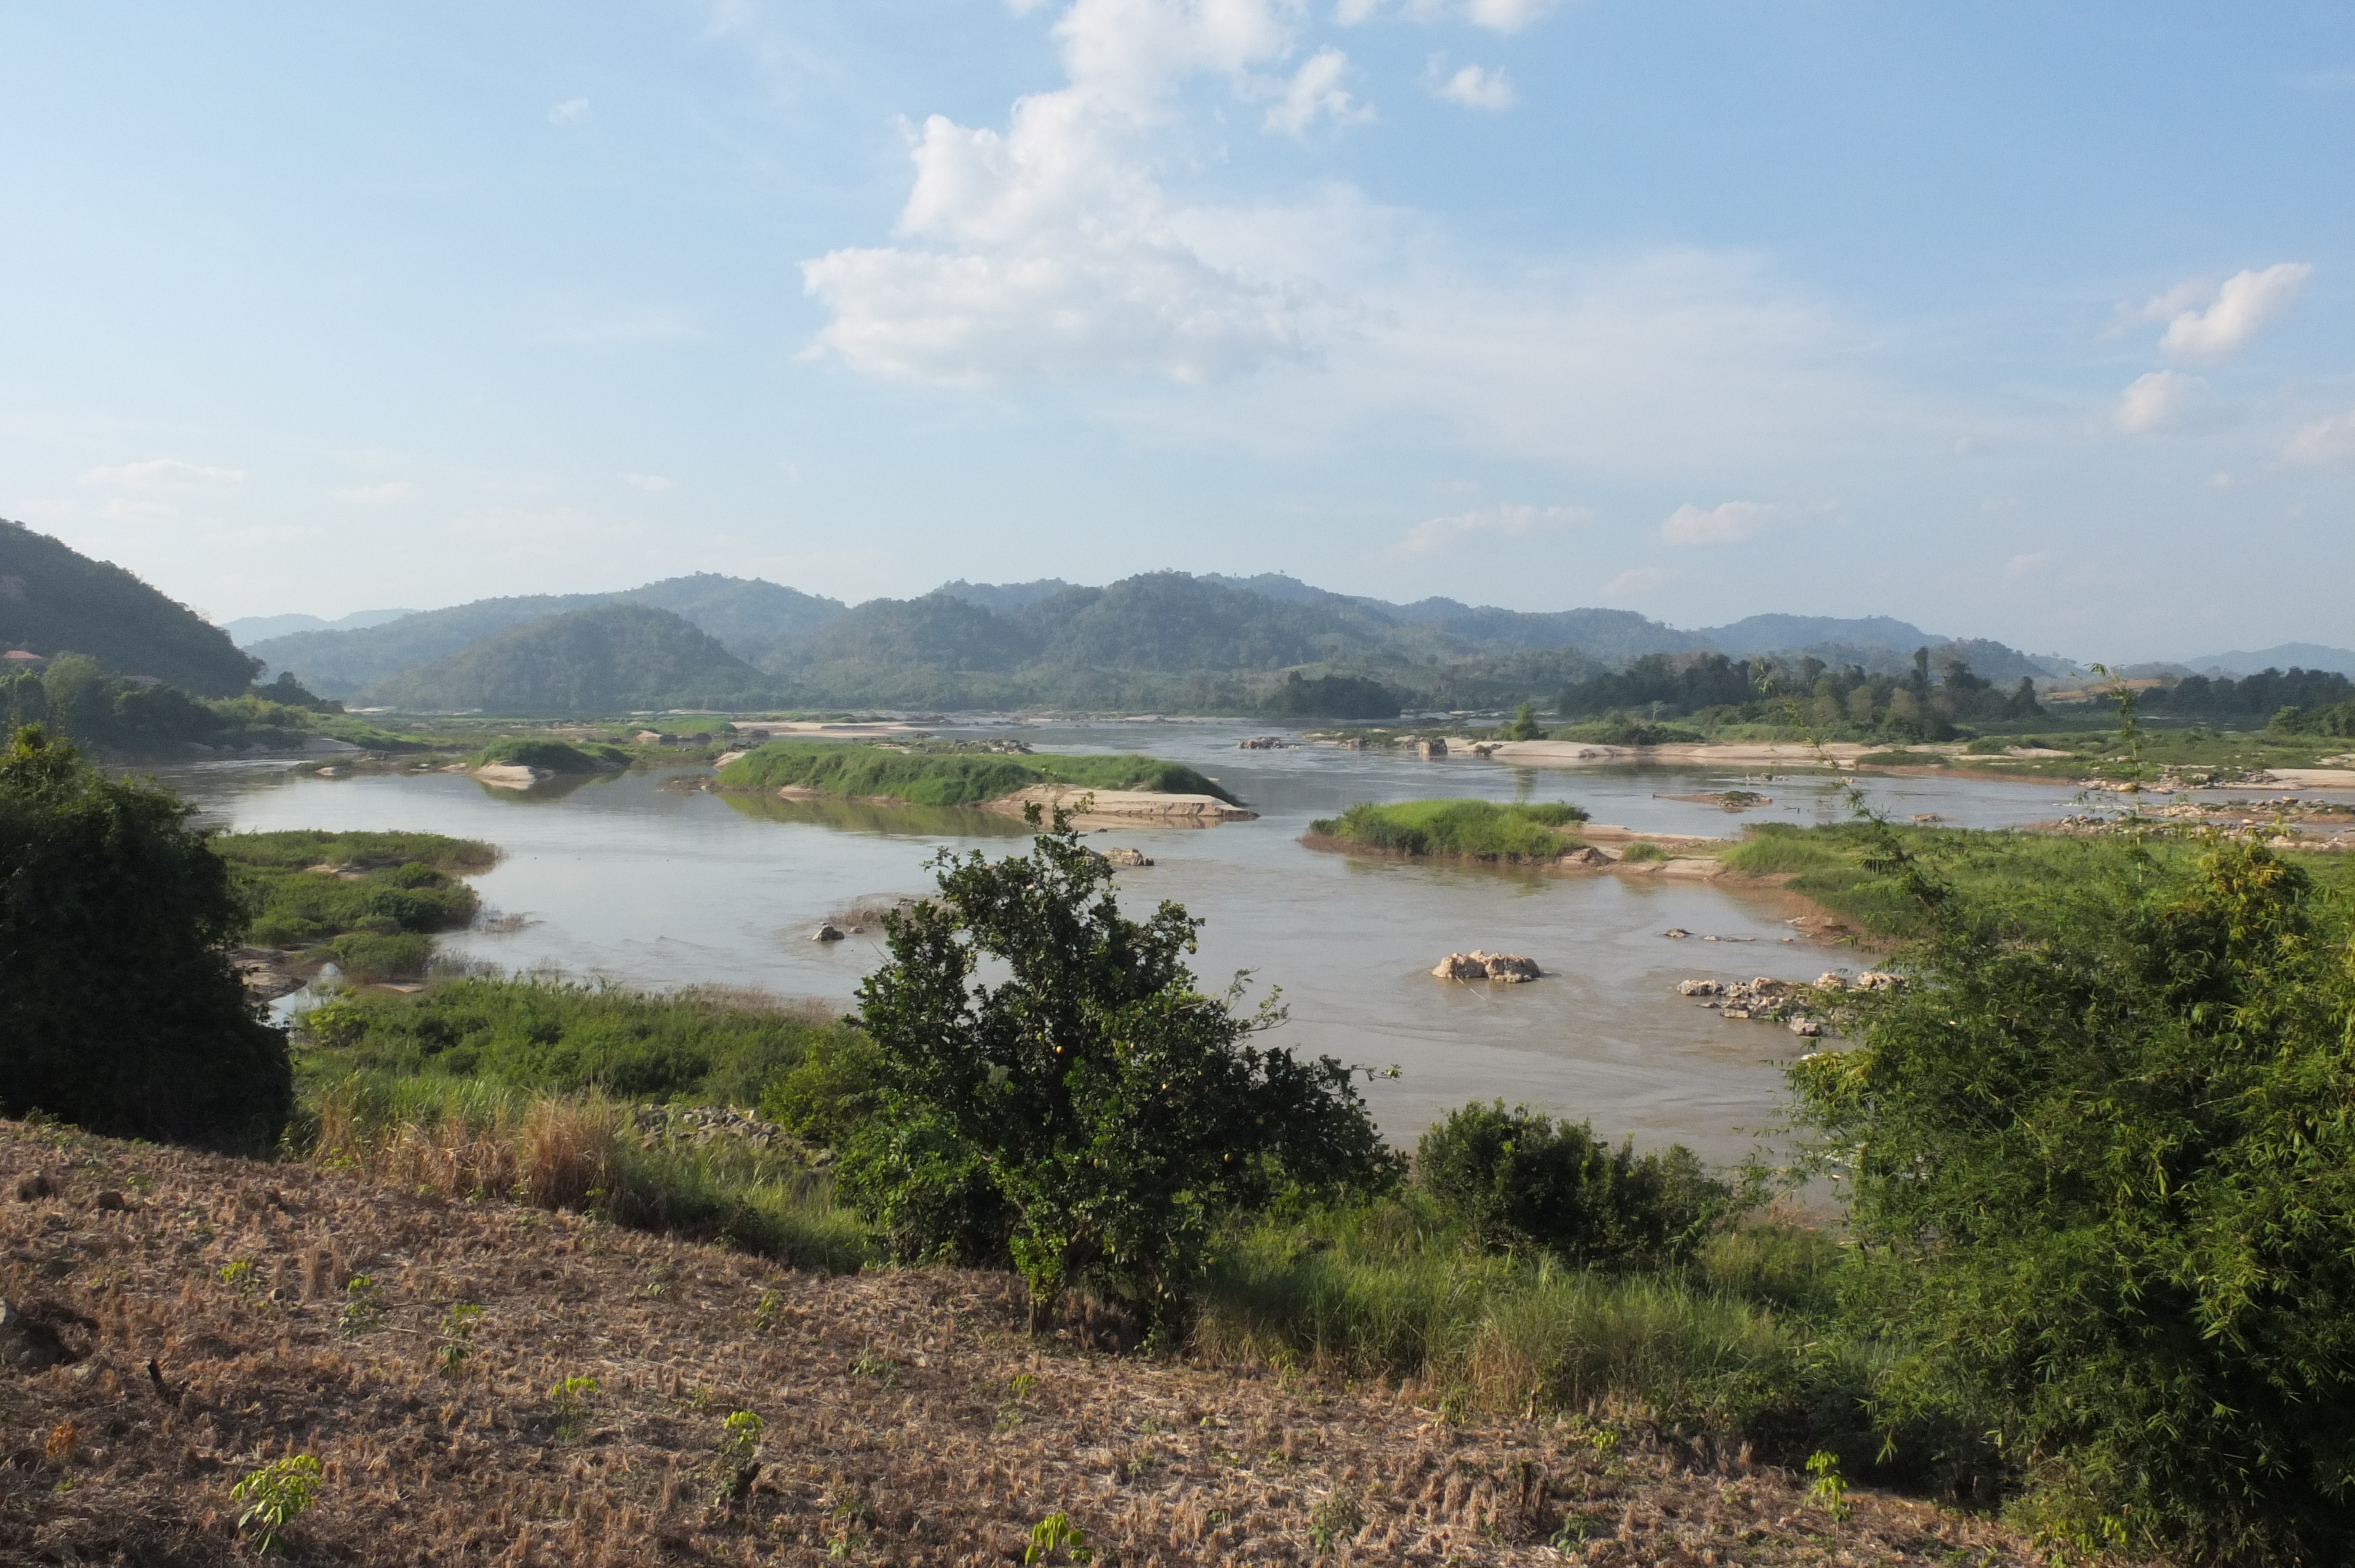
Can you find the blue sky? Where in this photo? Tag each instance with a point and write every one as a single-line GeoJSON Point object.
{"type": "Point", "coordinates": [2034, 322]}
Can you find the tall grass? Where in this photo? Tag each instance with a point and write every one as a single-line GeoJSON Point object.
{"type": "Point", "coordinates": [1735, 1341]}
{"type": "Point", "coordinates": [1482, 830]}
{"type": "Point", "coordinates": [472, 1138]}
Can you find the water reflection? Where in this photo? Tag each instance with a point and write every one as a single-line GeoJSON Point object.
{"type": "Point", "coordinates": [865, 817]}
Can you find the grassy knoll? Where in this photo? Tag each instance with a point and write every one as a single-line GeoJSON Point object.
{"type": "Point", "coordinates": [1480, 830]}
{"type": "Point", "coordinates": [552, 755]}
{"type": "Point", "coordinates": [844, 768]}
{"type": "Point", "coordinates": [369, 901]}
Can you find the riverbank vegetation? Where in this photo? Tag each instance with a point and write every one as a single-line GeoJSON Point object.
{"type": "Point", "coordinates": [1475, 830]}
{"type": "Point", "coordinates": [367, 901]}
{"type": "Point", "coordinates": [553, 756]}
{"type": "Point", "coordinates": [858, 769]}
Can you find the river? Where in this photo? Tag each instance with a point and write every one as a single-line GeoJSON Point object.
{"type": "Point", "coordinates": [659, 886]}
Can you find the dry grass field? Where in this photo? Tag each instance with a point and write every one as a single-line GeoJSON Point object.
{"type": "Point", "coordinates": [210, 1308]}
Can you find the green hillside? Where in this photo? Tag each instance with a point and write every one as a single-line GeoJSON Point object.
{"type": "Point", "coordinates": [54, 599]}
{"type": "Point", "coordinates": [613, 658]}
{"type": "Point", "coordinates": [957, 778]}
{"type": "Point", "coordinates": [750, 618]}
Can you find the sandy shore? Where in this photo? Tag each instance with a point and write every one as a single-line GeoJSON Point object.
{"type": "Point", "coordinates": [1771, 754]}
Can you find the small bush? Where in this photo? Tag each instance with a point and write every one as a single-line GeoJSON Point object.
{"type": "Point", "coordinates": [1482, 830]}
{"type": "Point", "coordinates": [372, 957]}
{"type": "Point", "coordinates": [1517, 1179]}
{"type": "Point", "coordinates": [1643, 849]}
{"type": "Point", "coordinates": [275, 1495]}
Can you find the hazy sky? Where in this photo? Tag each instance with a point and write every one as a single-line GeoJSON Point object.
{"type": "Point", "coordinates": [2034, 321]}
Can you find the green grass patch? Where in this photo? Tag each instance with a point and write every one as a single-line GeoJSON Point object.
{"type": "Point", "coordinates": [851, 769]}
{"type": "Point", "coordinates": [553, 756]}
{"type": "Point", "coordinates": [697, 1046]}
{"type": "Point", "coordinates": [1482, 830]}
{"type": "Point", "coordinates": [1902, 759]}
{"type": "Point", "coordinates": [308, 889]}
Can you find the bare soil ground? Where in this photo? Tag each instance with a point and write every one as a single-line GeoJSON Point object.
{"type": "Point", "coordinates": [908, 1417]}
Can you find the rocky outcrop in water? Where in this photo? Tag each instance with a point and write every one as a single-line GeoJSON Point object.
{"type": "Point", "coordinates": [1510, 967]}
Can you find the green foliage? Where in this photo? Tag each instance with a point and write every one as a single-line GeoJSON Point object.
{"type": "Point", "coordinates": [1525, 726]}
{"type": "Point", "coordinates": [455, 1345]}
{"type": "Point", "coordinates": [275, 1495]}
{"type": "Point", "coordinates": [1826, 1485]}
{"type": "Point", "coordinates": [363, 1309]}
{"type": "Point", "coordinates": [1331, 696]}
{"type": "Point", "coordinates": [567, 1401]}
{"type": "Point", "coordinates": [1516, 1180]}
{"type": "Point", "coordinates": [1054, 1533]}
{"type": "Point", "coordinates": [1335, 1520]}
{"type": "Point", "coordinates": [1484, 830]}
{"type": "Point", "coordinates": [2102, 1165]}
{"type": "Point", "coordinates": [832, 1092]}
{"type": "Point", "coordinates": [1641, 851]}
{"type": "Point", "coordinates": [737, 1457]}
{"type": "Point", "coordinates": [553, 756]}
{"type": "Point", "coordinates": [119, 1008]}
{"type": "Point", "coordinates": [698, 1046]}
{"type": "Point", "coordinates": [844, 767]}
{"type": "Point", "coordinates": [2337, 720]}
{"type": "Point", "coordinates": [1902, 758]}
{"type": "Point", "coordinates": [1118, 1111]}
{"type": "Point", "coordinates": [377, 887]}
{"type": "Point", "coordinates": [1621, 729]}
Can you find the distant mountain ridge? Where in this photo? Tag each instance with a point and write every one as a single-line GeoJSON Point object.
{"type": "Point", "coordinates": [2282, 656]}
{"type": "Point", "coordinates": [1160, 641]}
{"type": "Point", "coordinates": [607, 657]}
{"type": "Point", "coordinates": [248, 630]}
{"type": "Point", "coordinates": [55, 599]}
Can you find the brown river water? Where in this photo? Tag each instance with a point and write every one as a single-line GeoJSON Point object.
{"type": "Point", "coordinates": [660, 887]}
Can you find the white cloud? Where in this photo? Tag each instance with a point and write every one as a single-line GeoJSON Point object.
{"type": "Point", "coordinates": [1052, 247]}
{"type": "Point", "coordinates": [1313, 91]}
{"type": "Point", "coordinates": [1507, 522]}
{"type": "Point", "coordinates": [2330, 440]}
{"type": "Point", "coordinates": [1499, 15]}
{"type": "Point", "coordinates": [2020, 569]}
{"type": "Point", "coordinates": [2235, 311]}
{"type": "Point", "coordinates": [651, 484]}
{"type": "Point", "coordinates": [163, 473]}
{"type": "Point", "coordinates": [570, 111]}
{"type": "Point", "coordinates": [2165, 402]}
{"type": "Point", "coordinates": [1471, 86]}
{"type": "Point", "coordinates": [1729, 522]}
{"type": "Point", "coordinates": [378, 495]}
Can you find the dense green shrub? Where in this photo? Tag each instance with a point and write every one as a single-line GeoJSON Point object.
{"type": "Point", "coordinates": [306, 887]}
{"type": "Point", "coordinates": [118, 1007]}
{"type": "Point", "coordinates": [1119, 1111]}
{"type": "Point", "coordinates": [1517, 1179]}
{"type": "Point", "coordinates": [2104, 1168]}
{"type": "Point", "coordinates": [1331, 696]}
{"type": "Point", "coordinates": [1481, 829]}
{"type": "Point", "coordinates": [373, 957]}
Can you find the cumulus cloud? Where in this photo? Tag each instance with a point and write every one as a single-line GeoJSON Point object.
{"type": "Point", "coordinates": [1052, 247]}
{"type": "Point", "coordinates": [2167, 402]}
{"type": "Point", "coordinates": [1316, 93]}
{"type": "Point", "coordinates": [1636, 580]}
{"type": "Point", "coordinates": [1507, 522]}
{"type": "Point", "coordinates": [2208, 321]}
{"type": "Point", "coordinates": [1471, 85]}
{"type": "Point", "coordinates": [163, 473]}
{"type": "Point", "coordinates": [2330, 440]}
{"type": "Point", "coordinates": [570, 111]}
{"type": "Point", "coordinates": [383, 495]}
{"type": "Point", "coordinates": [1727, 522]}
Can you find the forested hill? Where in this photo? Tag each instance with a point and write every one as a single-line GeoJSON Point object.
{"type": "Point", "coordinates": [1163, 641]}
{"type": "Point", "coordinates": [752, 617]}
{"type": "Point", "coordinates": [54, 599]}
{"type": "Point", "coordinates": [608, 658]}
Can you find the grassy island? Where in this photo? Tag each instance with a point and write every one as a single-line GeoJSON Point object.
{"type": "Point", "coordinates": [552, 755]}
{"type": "Point", "coordinates": [369, 901]}
{"type": "Point", "coordinates": [1477, 830]}
{"type": "Point", "coordinates": [947, 778]}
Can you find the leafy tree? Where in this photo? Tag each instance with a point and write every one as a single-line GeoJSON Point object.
{"type": "Point", "coordinates": [1519, 1180]}
{"type": "Point", "coordinates": [1114, 1110]}
{"type": "Point", "coordinates": [118, 1006]}
{"type": "Point", "coordinates": [1525, 726]}
{"type": "Point", "coordinates": [2103, 1165]}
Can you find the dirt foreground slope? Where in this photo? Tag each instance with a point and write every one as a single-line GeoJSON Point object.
{"type": "Point", "coordinates": [907, 1419]}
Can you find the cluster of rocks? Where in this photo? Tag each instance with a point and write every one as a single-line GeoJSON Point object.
{"type": "Point", "coordinates": [1510, 967]}
{"type": "Point", "coordinates": [1429, 749]}
{"type": "Point", "coordinates": [1122, 856]}
{"type": "Point", "coordinates": [706, 1125]}
{"type": "Point", "coordinates": [1787, 1002]}
{"type": "Point", "coordinates": [1266, 742]}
